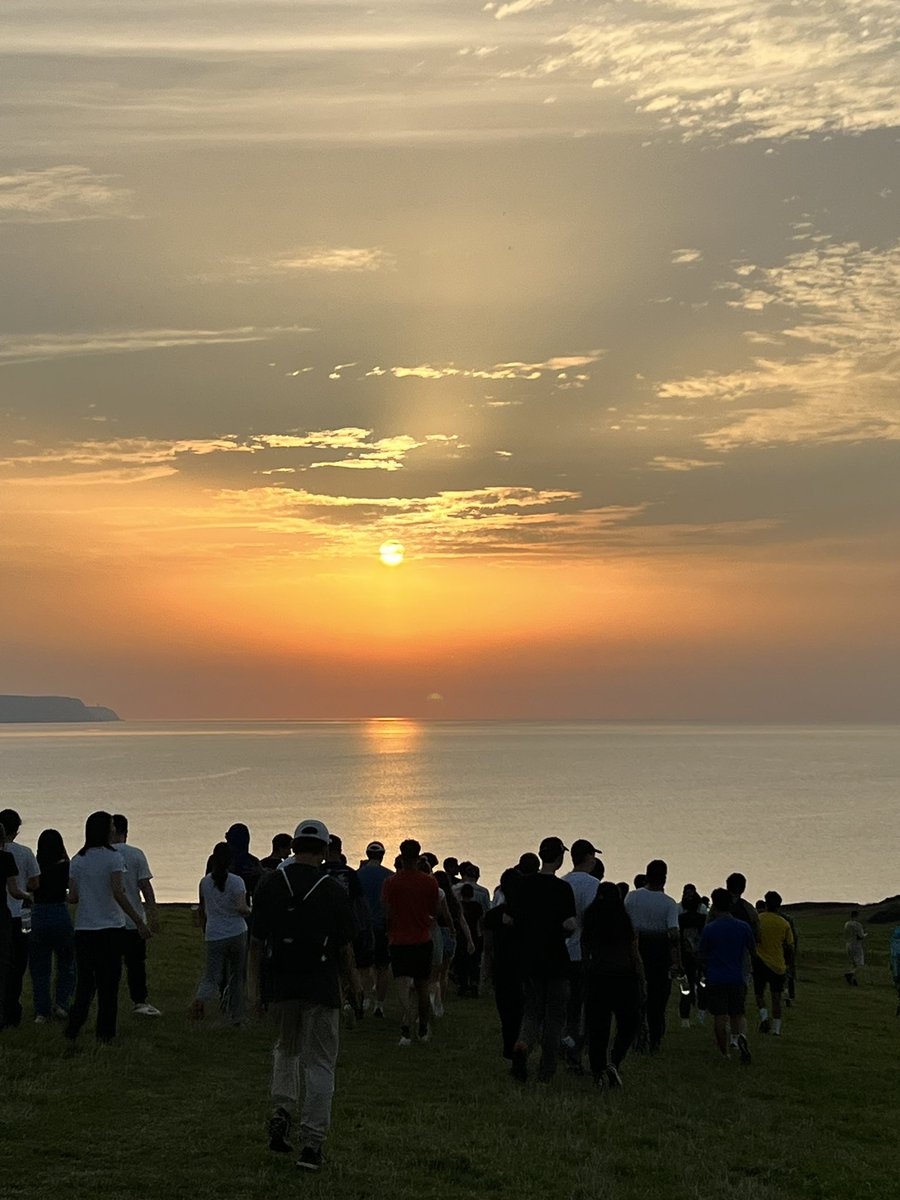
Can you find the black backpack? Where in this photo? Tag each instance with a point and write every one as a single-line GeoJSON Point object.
{"type": "Point", "coordinates": [298, 945]}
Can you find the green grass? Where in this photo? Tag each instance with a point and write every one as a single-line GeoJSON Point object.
{"type": "Point", "coordinates": [177, 1111]}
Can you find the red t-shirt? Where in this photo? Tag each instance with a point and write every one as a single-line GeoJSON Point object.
{"type": "Point", "coordinates": [412, 897]}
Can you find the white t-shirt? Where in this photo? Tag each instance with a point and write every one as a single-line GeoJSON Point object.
{"type": "Point", "coordinates": [585, 888]}
{"type": "Point", "coordinates": [93, 872]}
{"type": "Point", "coordinates": [137, 870]}
{"type": "Point", "coordinates": [28, 868]}
{"type": "Point", "coordinates": [222, 917]}
{"type": "Point", "coordinates": [651, 912]}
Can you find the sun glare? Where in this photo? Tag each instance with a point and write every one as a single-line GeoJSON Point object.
{"type": "Point", "coordinates": [391, 554]}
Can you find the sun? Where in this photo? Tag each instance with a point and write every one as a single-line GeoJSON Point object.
{"type": "Point", "coordinates": [391, 554]}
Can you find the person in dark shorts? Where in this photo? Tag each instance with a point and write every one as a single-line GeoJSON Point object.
{"type": "Point", "coordinates": [774, 954]}
{"type": "Point", "coordinates": [375, 966]}
{"type": "Point", "coordinates": [410, 901]}
{"type": "Point", "coordinates": [723, 945]}
{"type": "Point", "coordinates": [542, 909]}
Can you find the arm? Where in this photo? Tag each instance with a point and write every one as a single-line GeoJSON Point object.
{"type": "Point", "coordinates": [675, 951]}
{"type": "Point", "coordinates": [350, 975]}
{"type": "Point", "coordinates": [149, 897]}
{"type": "Point", "coordinates": [118, 891]}
{"type": "Point", "coordinates": [12, 886]}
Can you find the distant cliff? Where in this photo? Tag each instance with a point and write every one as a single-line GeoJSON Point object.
{"type": "Point", "coordinates": [26, 710]}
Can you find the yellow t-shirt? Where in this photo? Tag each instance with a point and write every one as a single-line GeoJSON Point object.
{"type": "Point", "coordinates": [774, 935]}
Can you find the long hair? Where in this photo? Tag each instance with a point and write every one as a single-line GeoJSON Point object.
{"type": "Point", "coordinates": [51, 849]}
{"type": "Point", "coordinates": [96, 833]}
{"type": "Point", "coordinates": [221, 864]}
{"type": "Point", "coordinates": [606, 921]}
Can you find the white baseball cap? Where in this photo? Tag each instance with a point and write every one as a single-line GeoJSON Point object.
{"type": "Point", "coordinates": [312, 829]}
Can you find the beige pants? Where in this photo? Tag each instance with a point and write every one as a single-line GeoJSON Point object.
{"type": "Point", "coordinates": [308, 1041]}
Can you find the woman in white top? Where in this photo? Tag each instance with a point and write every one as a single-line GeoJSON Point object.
{"type": "Point", "coordinates": [97, 887]}
{"type": "Point", "coordinates": [223, 907]}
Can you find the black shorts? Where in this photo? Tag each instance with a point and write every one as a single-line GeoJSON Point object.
{"type": "Point", "coordinates": [412, 962]}
{"type": "Point", "coordinates": [726, 999]}
{"type": "Point", "coordinates": [371, 950]}
{"type": "Point", "coordinates": [764, 976]}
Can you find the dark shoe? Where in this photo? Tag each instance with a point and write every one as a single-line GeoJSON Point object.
{"type": "Point", "coordinates": [855, 981]}
{"type": "Point", "coordinates": [848, 977]}
{"type": "Point", "coordinates": [310, 1159]}
{"type": "Point", "coordinates": [423, 1031]}
{"type": "Point", "coordinates": [279, 1129]}
{"type": "Point", "coordinates": [765, 1026]}
{"type": "Point", "coordinates": [744, 1050]}
{"type": "Point", "coordinates": [519, 1068]}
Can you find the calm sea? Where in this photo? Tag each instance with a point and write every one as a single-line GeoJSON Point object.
{"type": "Point", "coordinates": [810, 811]}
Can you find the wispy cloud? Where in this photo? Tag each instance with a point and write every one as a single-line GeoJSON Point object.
{"type": "Point", "coordinates": [139, 459]}
{"type": "Point", "coordinates": [38, 347]}
{"type": "Point", "coordinates": [515, 7]}
{"type": "Point", "coordinates": [559, 364]}
{"type": "Point", "coordinates": [60, 194]}
{"type": "Point", "coordinates": [495, 521]}
{"type": "Point", "coordinates": [686, 256]}
{"type": "Point", "coordinates": [742, 69]}
{"type": "Point", "coordinates": [664, 462]}
{"type": "Point", "coordinates": [832, 369]}
{"type": "Point", "coordinates": [327, 260]}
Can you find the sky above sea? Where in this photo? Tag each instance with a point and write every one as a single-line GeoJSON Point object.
{"type": "Point", "coordinates": [436, 358]}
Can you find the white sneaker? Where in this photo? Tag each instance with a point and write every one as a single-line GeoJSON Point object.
{"type": "Point", "coordinates": [685, 1022]}
{"type": "Point", "coordinates": [438, 1007]}
{"type": "Point", "coordinates": [405, 1041]}
{"type": "Point", "coordinates": [61, 1012]}
{"type": "Point", "coordinates": [146, 1010]}
{"type": "Point", "coordinates": [39, 1020]}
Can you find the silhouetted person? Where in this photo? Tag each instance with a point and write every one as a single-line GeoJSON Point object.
{"type": "Point", "coordinates": [614, 980]}
{"type": "Point", "coordinates": [655, 918]}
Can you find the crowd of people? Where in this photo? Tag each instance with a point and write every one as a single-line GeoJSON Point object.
{"type": "Point", "coordinates": [581, 969]}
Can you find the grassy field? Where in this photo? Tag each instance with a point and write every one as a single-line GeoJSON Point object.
{"type": "Point", "coordinates": [177, 1111]}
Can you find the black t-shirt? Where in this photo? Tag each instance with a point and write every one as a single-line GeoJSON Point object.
{"type": "Point", "coordinates": [504, 944]}
{"type": "Point", "coordinates": [54, 883]}
{"type": "Point", "coordinates": [326, 918]}
{"type": "Point", "coordinates": [8, 867]}
{"type": "Point", "coordinates": [539, 907]}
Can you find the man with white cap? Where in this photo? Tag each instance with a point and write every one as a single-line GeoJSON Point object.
{"type": "Point", "coordinates": [302, 951]}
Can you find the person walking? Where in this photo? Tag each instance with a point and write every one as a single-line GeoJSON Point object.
{"type": "Point", "coordinates": [97, 886]}
{"type": "Point", "coordinates": [614, 983]}
{"type": "Point", "coordinates": [52, 934]}
{"type": "Point", "coordinates": [584, 883]}
{"type": "Point", "coordinates": [655, 918]}
{"type": "Point", "coordinates": [301, 956]}
{"type": "Point", "coordinates": [223, 913]}
{"type": "Point", "coordinates": [502, 964]}
{"type": "Point", "coordinates": [854, 939]}
{"type": "Point", "coordinates": [542, 909]}
{"type": "Point", "coordinates": [774, 954]}
{"type": "Point", "coordinates": [724, 944]}
{"type": "Point", "coordinates": [375, 968]}
{"type": "Point", "coordinates": [143, 899]}
{"type": "Point", "coordinates": [691, 922]}
{"type": "Point", "coordinates": [410, 900]}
